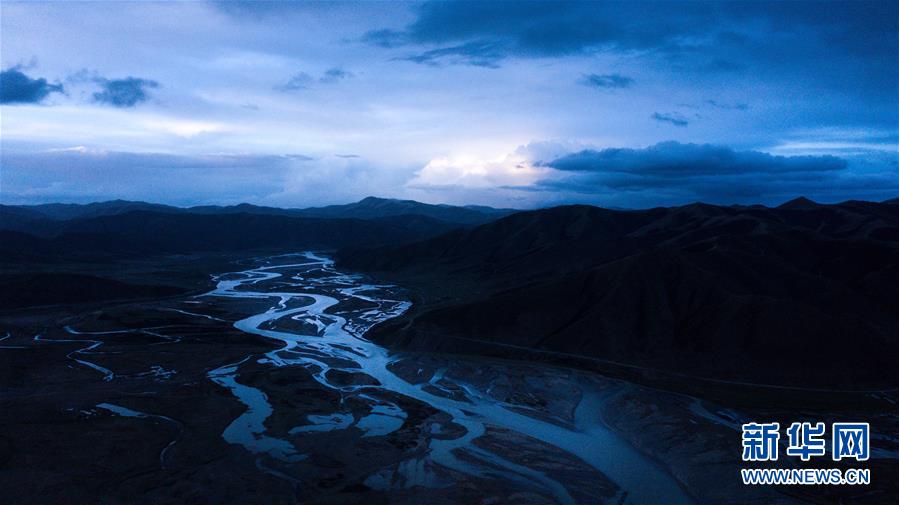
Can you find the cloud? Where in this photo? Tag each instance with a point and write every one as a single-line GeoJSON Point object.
{"type": "Point", "coordinates": [384, 38]}
{"type": "Point", "coordinates": [611, 81]}
{"type": "Point", "coordinates": [674, 158]}
{"type": "Point", "coordinates": [303, 80]}
{"type": "Point", "coordinates": [16, 87]}
{"type": "Point", "coordinates": [124, 93]}
{"type": "Point", "coordinates": [671, 173]}
{"type": "Point", "coordinates": [335, 74]}
{"type": "Point", "coordinates": [670, 117]}
{"type": "Point", "coordinates": [298, 81]}
{"type": "Point", "coordinates": [485, 33]}
{"type": "Point", "coordinates": [83, 173]}
{"type": "Point", "coordinates": [668, 173]}
{"type": "Point", "coordinates": [466, 171]}
{"type": "Point", "coordinates": [840, 141]}
{"type": "Point", "coordinates": [842, 47]}
{"type": "Point", "coordinates": [735, 106]}
{"type": "Point", "coordinates": [267, 10]}
{"type": "Point", "coordinates": [89, 173]}
{"type": "Point", "coordinates": [478, 53]}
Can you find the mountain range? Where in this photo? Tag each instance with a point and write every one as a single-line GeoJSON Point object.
{"type": "Point", "coordinates": [367, 208]}
{"type": "Point", "coordinates": [117, 228]}
{"type": "Point", "coordinates": [802, 294]}
{"type": "Point", "coordinates": [121, 250]}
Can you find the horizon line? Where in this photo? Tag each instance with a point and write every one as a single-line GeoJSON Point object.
{"type": "Point", "coordinates": [465, 206]}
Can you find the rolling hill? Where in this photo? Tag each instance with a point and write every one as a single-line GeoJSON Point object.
{"type": "Point", "coordinates": [800, 294]}
{"type": "Point", "coordinates": [48, 251]}
{"type": "Point", "coordinates": [367, 208]}
{"type": "Point", "coordinates": [120, 227]}
{"type": "Point", "coordinates": [147, 233]}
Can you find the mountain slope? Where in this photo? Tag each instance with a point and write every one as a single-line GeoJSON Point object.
{"type": "Point", "coordinates": [66, 211]}
{"type": "Point", "coordinates": [372, 207]}
{"type": "Point", "coordinates": [367, 208]}
{"type": "Point", "coordinates": [148, 233]}
{"type": "Point", "coordinates": [35, 289]}
{"type": "Point", "coordinates": [747, 293]}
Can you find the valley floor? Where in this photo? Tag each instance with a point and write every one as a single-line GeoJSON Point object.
{"type": "Point", "coordinates": [264, 390]}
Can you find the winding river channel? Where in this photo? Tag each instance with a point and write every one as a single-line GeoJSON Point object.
{"type": "Point", "coordinates": [302, 288]}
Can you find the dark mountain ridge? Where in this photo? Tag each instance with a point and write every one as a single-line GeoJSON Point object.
{"type": "Point", "coordinates": [66, 211]}
{"type": "Point", "coordinates": [47, 251]}
{"type": "Point", "coordinates": [124, 227]}
{"type": "Point", "coordinates": [802, 294]}
{"type": "Point", "coordinates": [367, 208]}
{"type": "Point", "coordinates": [384, 207]}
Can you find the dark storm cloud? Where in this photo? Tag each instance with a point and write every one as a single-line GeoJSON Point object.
{"type": "Point", "coordinates": [673, 158]}
{"type": "Point", "coordinates": [671, 173]}
{"type": "Point", "coordinates": [16, 87]}
{"type": "Point", "coordinates": [670, 117]}
{"type": "Point", "coordinates": [607, 81]}
{"type": "Point", "coordinates": [497, 30]}
{"type": "Point", "coordinates": [124, 93]}
{"type": "Point", "coordinates": [842, 46]}
{"type": "Point", "coordinates": [544, 28]}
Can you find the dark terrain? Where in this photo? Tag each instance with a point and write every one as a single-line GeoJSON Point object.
{"type": "Point", "coordinates": [109, 243]}
{"type": "Point", "coordinates": [114, 362]}
{"type": "Point", "coordinates": [755, 294]}
{"type": "Point", "coordinates": [139, 231]}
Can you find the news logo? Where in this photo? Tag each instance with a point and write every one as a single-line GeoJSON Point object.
{"type": "Point", "coordinates": [760, 441]}
{"type": "Point", "coordinates": [850, 440]}
{"type": "Point", "coordinates": [805, 441]}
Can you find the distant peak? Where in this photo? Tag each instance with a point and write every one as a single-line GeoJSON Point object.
{"type": "Point", "coordinates": [380, 201]}
{"type": "Point", "coordinates": [119, 201]}
{"type": "Point", "coordinates": [799, 203]}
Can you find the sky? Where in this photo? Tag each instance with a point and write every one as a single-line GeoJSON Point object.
{"type": "Point", "coordinates": [511, 104]}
